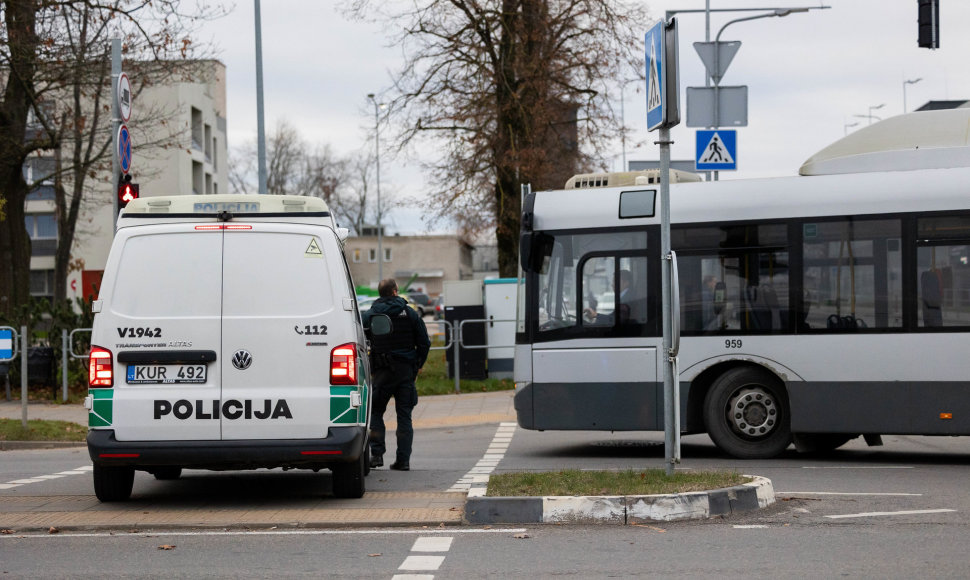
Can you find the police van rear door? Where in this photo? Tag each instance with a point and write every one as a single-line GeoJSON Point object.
{"type": "Point", "coordinates": [166, 383]}
{"type": "Point", "coordinates": [280, 321]}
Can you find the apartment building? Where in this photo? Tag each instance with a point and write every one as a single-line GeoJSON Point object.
{"type": "Point", "coordinates": [194, 163]}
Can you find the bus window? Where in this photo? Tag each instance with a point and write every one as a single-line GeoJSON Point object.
{"type": "Point", "coordinates": [733, 278]}
{"type": "Point", "coordinates": [614, 290]}
{"type": "Point", "coordinates": [943, 271]}
{"type": "Point", "coordinates": [852, 275]}
{"type": "Point", "coordinates": [564, 297]}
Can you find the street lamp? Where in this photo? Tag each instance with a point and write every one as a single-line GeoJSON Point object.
{"type": "Point", "coordinates": [846, 126]}
{"type": "Point", "coordinates": [779, 12]}
{"type": "Point", "coordinates": [623, 117]}
{"type": "Point", "coordinates": [377, 157]}
{"type": "Point", "coordinates": [909, 82]}
{"type": "Point", "coordinates": [870, 116]}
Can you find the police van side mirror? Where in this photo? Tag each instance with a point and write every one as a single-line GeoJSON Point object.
{"type": "Point", "coordinates": [380, 324]}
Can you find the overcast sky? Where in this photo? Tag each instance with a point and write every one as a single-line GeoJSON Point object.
{"type": "Point", "coordinates": [808, 76]}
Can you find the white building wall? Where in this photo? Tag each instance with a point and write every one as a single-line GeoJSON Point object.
{"type": "Point", "coordinates": [159, 171]}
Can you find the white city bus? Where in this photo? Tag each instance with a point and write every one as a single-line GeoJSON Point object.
{"type": "Point", "coordinates": [813, 308]}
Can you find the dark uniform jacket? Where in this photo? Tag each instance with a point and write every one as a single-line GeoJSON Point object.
{"type": "Point", "coordinates": [408, 341]}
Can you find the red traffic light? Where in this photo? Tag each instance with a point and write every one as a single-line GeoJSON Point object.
{"type": "Point", "coordinates": [127, 192]}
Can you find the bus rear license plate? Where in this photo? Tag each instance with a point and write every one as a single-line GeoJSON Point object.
{"type": "Point", "coordinates": [165, 374]}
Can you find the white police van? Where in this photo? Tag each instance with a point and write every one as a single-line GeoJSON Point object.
{"type": "Point", "coordinates": [227, 336]}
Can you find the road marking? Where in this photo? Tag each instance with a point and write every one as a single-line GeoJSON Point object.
{"type": "Point", "coordinates": [422, 563]}
{"type": "Point", "coordinates": [902, 513]}
{"type": "Point", "coordinates": [166, 534]}
{"type": "Point", "coordinates": [434, 544]}
{"type": "Point", "coordinates": [750, 527]}
{"type": "Point", "coordinates": [475, 482]}
{"type": "Point", "coordinates": [39, 478]}
{"type": "Point", "coordinates": [875, 493]}
{"type": "Point", "coordinates": [858, 467]}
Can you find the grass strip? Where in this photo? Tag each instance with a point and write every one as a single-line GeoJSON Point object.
{"type": "Point", "coordinates": [434, 379]}
{"type": "Point", "coordinates": [576, 482]}
{"type": "Point", "coordinates": [39, 430]}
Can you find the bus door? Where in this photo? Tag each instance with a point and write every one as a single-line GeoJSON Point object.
{"type": "Point", "coordinates": [595, 353]}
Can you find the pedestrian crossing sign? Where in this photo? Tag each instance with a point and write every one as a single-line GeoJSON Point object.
{"type": "Point", "coordinates": [716, 150]}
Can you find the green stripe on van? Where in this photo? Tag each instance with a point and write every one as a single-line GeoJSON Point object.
{"type": "Point", "coordinates": [340, 410]}
{"type": "Point", "coordinates": [102, 409]}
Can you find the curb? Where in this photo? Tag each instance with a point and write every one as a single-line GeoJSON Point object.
{"type": "Point", "coordinates": [622, 510]}
{"type": "Point", "coordinates": [20, 445]}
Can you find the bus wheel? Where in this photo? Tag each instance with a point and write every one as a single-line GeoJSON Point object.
{"type": "Point", "coordinates": [746, 413]}
{"type": "Point", "coordinates": [113, 483]}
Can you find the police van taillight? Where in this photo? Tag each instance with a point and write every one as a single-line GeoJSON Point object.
{"type": "Point", "coordinates": [100, 371]}
{"type": "Point", "coordinates": [343, 365]}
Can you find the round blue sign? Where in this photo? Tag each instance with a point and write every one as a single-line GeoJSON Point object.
{"type": "Point", "coordinates": [124, 148]}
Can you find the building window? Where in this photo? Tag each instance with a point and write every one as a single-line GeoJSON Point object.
{"type": "Point", "coordinates": [356, 257]}
{"type": "Point", "coordinates": [198, 134]}
{"type": "Point", "coordinates": [198, 178]}
{"type": "Point", "coordinates": [387, 254]}
{"type": "Point", "coordinates": [42, 282]}
{"type": "Point", "coordinates": [372, 255]}
{"type": "Point", "coordinates": [207, 135]}
{"type": "Point", "coordinates": [41, 226]}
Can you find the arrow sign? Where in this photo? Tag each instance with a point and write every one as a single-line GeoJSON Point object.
{"type": "Point", "coordinates": [725, 51]}
{"type": "Point", "coordinates": [124, 148]}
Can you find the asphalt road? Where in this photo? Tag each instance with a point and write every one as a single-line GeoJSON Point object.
{"type": "Point", "coordinates": [889, 512]}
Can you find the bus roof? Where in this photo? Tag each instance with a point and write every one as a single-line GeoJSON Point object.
{"type": "Point", "coordinates": [919, 140]}
{"type": "Point", "coordinates": [765, 198]}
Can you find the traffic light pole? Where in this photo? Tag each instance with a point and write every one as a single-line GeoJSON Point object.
{"type": "Point", "coordinates": [115, 126]}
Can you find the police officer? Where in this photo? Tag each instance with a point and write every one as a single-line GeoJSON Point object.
{"type": "Point", "coordinates": [395, 359]}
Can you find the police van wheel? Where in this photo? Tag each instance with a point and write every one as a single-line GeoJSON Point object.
{"type": "Point", "coordinates": [113, 483]}
{"type": "Point", "coordinates": [167, 473]}
{"type": "Point", "coordinates": [348, 478]}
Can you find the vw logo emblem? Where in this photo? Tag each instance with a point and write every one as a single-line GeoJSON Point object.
{"type": "Point", "coordinates": [242, 359]}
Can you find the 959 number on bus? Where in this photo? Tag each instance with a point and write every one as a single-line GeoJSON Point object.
{"type": "Point", "coordinates": [732, 343]}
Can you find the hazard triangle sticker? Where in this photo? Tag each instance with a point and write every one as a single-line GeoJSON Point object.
{"type": "Point", "coordinates": [313, 250]}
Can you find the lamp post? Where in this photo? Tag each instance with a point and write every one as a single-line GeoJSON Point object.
{"type": "Point", "coordinates": [260, 124]}
{"type": "Point", "coordinates": [846, 126]}
{"type": "Point", "coordinates": [779, 12]}
{"type": "Point", "coordinates": [377, 157]}
{"type": "Point", "coordinates": [623, 117]}
{"type": "Point", "coordinates": [909, 82]}
{"type": "Point", "coordinates": [870, 116]}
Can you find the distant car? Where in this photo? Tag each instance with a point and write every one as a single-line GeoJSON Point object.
{"type": "Point", "coordinates": [364, 304]}
{"type": "Point", "coordinates": [413, 304]}
{"type": "Point", "coordinates": [439, 308]}
{"type": "Point", "coordinates": [425, 301]}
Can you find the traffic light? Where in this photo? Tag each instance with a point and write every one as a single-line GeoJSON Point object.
{"type": "Point", "coordinates": [127, 191]}
{"type": "Point", "coordinates": [929, 23]}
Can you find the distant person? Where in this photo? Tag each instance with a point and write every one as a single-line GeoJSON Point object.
{"type": "Point", "coordinates": [396, 359]}
{"type": "Point", "coordinates": [626, 302]}
{"type": "Point", "coordinates": [711, 302]}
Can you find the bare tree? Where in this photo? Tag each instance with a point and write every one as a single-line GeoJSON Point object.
{"type": "Point", "coordinates": [55, 62]}
{"type": "Point", "coordinates": [512, 90]}
{"type": "Point", "coordinates": [297, 169]}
